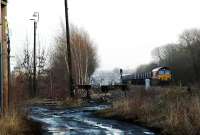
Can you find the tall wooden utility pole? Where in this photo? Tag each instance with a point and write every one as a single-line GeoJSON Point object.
{"type": "Point", "coordinates": [36, 20]}
{"type": "Point", "coordinates": [71, 85]}
{"type": "Point", "coordinates": [4, 58]}
{"type": "Point", "coordinates": [1, 66]}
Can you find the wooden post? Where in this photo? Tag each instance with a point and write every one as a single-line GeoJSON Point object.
{"type": "Point", "coordinates": [5, 57]}
{"type": "Point", "coordinates": [69, 60]}
{"type": "Point", "coordinates": [1, 69]}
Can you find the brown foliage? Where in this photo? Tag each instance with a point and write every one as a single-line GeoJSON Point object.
{"type": "Point", "coordinates": [19, 90]}
{"type": "Point", "coordinates": [16, 124]}
{"type": "Point", "coordinates": [175, 111]}
{"type": "Point", "coordinates": [84, 60]}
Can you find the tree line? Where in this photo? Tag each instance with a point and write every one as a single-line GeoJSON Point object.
{"type": "Point", "coordinates": [84, 59]}
{"type": "Point", "coordinates": [183, 57]}
{"type": "Point", "coordinates": [52, 66]}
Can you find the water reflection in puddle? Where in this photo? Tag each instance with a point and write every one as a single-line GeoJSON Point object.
{"type": "Point", "coordinates": [79, 121]}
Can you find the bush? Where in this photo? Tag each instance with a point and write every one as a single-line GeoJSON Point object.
{"type": "Point", "coordinates": [17, 124]}
{"type": "Point", "coordinates": [174, 111]}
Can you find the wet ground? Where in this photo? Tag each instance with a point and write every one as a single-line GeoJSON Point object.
{"type": "Point", "coordinates": [80, 121]}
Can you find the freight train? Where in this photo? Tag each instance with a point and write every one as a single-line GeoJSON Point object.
{"type": "Point", "coordinates": [158, 76]}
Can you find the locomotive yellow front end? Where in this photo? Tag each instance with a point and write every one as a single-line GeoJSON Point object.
{"type": "Point", "coordinates": [162, 75]}
{"type": "Point", "coordinates": [166, 76]}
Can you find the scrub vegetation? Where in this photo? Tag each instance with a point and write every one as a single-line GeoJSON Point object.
{"type": "Point", "coordinates": [52, 78]}
{"type": "Point", "coordinates": [173, 111]}
{"type": "Point", "coordinates": [17, 124]}
{"type": "Point", "coordinates": [72, 102]}
{"type": "Point", "coordinates": [52, 72]}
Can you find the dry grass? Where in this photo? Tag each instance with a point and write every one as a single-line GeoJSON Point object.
{"type": "Point", "coordinates": [36, 101]}
{"type": "Point", "coordinates": [10, 124]}
{"type": "Point", "coordinates": [175, 111]}
{"type": "Point", "coordinates": [67, 102]}
{"type": "Point", "coordinates": [16, 124]}
{"type": "Point", "coordinates": [72, 102]}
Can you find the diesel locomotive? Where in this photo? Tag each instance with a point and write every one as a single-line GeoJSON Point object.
{"type": "Point", "coordinates": [159, 75]}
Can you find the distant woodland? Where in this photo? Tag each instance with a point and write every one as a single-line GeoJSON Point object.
{"type": "Point", "coordinates": [183, 57]}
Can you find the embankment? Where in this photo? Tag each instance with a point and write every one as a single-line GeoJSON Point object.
{"type": "Point", "coordinates": [173, 111]}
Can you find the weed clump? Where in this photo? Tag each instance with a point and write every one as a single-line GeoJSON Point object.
{"type": "Point", "coordinates": [16, 124]}
{"type": "Point", "coordinates": [72, 102]}
{"type": "Point", "coordinates": [173, 111]}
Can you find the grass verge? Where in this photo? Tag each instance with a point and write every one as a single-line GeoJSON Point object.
{"type": "Point", "coordinates": [16, 124]}
{"type": "Point", "coordinates": [72, 102]}
{"type": "Point", "coordinates": [68, 102]}
{"type": "Point", "coordinates": [173, 111]}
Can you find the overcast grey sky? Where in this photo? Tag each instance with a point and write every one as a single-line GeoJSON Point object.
{"type": "Point", "coordinates": [125, 31]}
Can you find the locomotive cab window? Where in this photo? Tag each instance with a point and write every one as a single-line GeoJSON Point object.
{"type": "Point", "coordinates": [167, 72]}
{"type": "Point", "coordinates": [161, 72]}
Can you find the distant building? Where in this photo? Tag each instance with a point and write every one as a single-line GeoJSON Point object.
{"type": "Point", "coordinates": [105, 78]}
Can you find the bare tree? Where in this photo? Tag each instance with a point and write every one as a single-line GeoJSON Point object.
{"type": "Point", "coordinates": [25, 64]}
{"type": "Point", "coordinates": [84, 58]}
{"type": "Point", "coordinates": [190, 39]}
{"type": "Point", "coordinates": [183, 58]}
